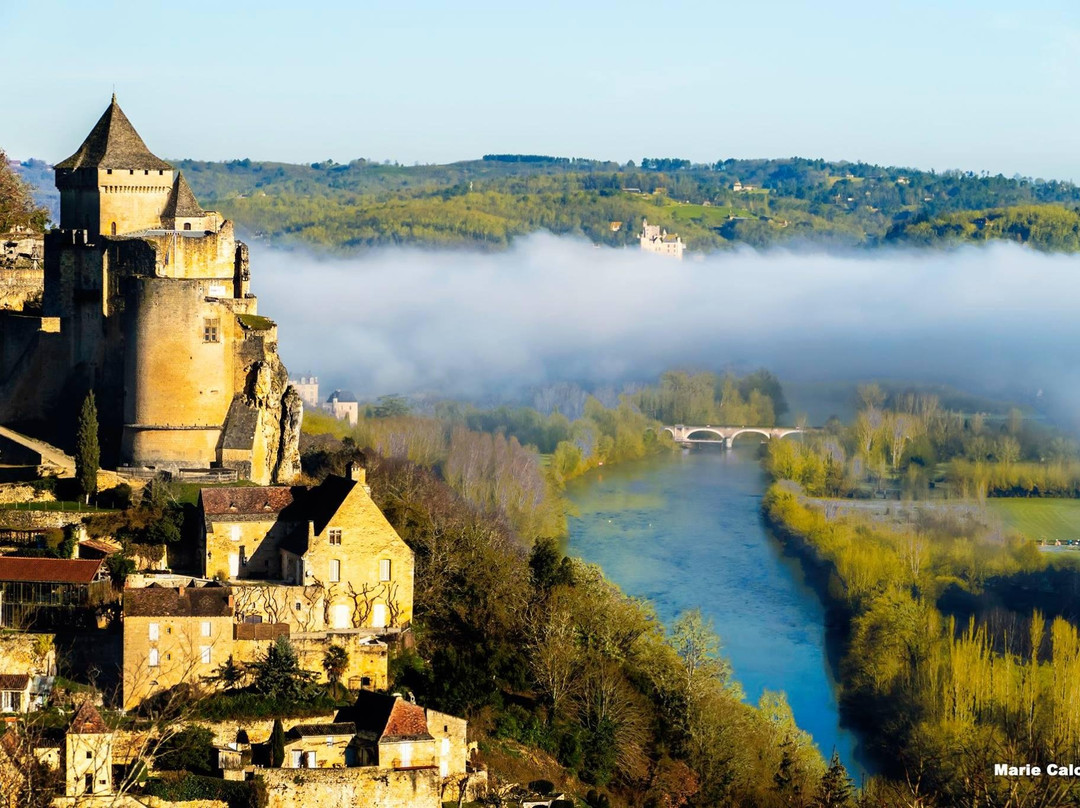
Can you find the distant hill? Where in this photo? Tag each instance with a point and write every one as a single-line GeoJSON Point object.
{"type": "Point", "coordinates": [487, 203]}
{"type": "Point", "coordinates": [39, 175]}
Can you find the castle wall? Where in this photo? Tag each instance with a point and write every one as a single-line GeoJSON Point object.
{"type": "Point", "coordinates": [179, 372]}
{"type": "Point", "coordinates": [210, 256]}
{"type": "Point", "coordinates": [345, 788]}
{"type": "Point", "coordinates": [21, 286]}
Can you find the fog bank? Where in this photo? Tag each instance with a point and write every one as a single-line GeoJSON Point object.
{"type": "Point", "coordinates": [1000, 319]}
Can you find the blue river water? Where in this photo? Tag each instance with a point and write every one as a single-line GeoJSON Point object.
{"type": "Point", "coordinates": [685, 531]}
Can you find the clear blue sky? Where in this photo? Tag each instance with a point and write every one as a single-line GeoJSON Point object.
{"type": "Point", "coordinates": [927, 83]}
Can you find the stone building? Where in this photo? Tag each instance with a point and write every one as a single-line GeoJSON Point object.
{"type": "Point", "coordinates": [655, 240]}
{"type": "Point", "coordinates": [308, 389]}
{"type": "Point", "coordinates": [147, 301]}
{"type": "Point", "coordinates": [319, 746]}
{"type": "Point", "coordinates": [88, 754]}
{"type": "Point", "coordinates": [174, 636]}
{"type": "Point", "coordinates": [319, 559]}
{"type": "Point", "coordinates": [344, 406]}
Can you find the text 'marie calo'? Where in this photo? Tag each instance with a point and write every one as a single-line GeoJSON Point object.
{"type": "Point", "coordinates": [1027, 770]}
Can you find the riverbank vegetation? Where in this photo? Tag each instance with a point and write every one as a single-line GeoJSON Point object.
{"type": "Point", "coordinates": [908, 444]}
{"type": "Point", "coordinates": [943, 701]}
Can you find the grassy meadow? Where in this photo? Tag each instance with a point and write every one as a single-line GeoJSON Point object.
{"type": "Point", "coordinates": [1047, 519]}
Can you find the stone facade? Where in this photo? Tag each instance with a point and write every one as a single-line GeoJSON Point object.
{"type": "Point", "coordinates": [345, 788]}
{"type": "Point", "coordinates": [308, 389]}
{"type": "Point", "coordinates": [173, 636]}
{"type": "Point", "coordinates": [451, 742]}
{"type": "Point", "coordinates": [22, 271]}
{"type": "Point", "coordinates": [318, 746]}
{"type": "Point", "coordinates": [343, 405]}
{"type": "Point", "coordinates": [88, 757]}
{"type": "Point", "coordinates": [318, 559]}
{"type": "Point", "coordinates": [146, 301]}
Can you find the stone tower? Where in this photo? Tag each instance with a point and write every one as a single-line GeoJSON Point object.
{"type": "Point", "coordinates": [147, 302]}
{"type": "Point", "coordinates": [88, 758]}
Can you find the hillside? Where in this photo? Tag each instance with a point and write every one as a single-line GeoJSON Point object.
{"type": "Point", "coordinates": [487, 203]}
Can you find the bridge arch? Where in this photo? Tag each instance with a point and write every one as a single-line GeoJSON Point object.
{"type": "Point", "coordinates": [765, 433]}
{"type": "Point", "coordinates": [696, 433]}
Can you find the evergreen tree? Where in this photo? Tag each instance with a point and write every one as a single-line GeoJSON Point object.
{"type": "Point", "coordinates": [277, 744]}
{"type": "Point", "coordinates": [279, 676]}
{"type": "Point", "coordinates": [835, 788]}
{"type": "Point", "coordinates": [87, 450]}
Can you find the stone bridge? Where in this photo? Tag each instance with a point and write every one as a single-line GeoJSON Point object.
{"type": "Point", "coordinates": [727, 434]}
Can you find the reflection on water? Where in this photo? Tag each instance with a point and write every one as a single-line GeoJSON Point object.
{"type": "Point", "coordinates": [686, 531]}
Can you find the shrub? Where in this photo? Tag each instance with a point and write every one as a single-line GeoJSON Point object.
{"type": "Point", "coordinates": [191, 749]}
{"type": "Point", "coordinates": [186, 787]}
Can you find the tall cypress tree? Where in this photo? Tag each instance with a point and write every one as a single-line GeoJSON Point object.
{"type": "Point", "coordinates": [277, 744]}
{"type": "Point", "coordinates": [87, 450]}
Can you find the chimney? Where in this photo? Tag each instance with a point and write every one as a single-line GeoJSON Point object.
{"type": "Point", "coordinates": [356, 472]}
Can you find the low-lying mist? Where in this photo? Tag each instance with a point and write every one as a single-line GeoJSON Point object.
{"type": "Point", "coordinates": [1000, 320]}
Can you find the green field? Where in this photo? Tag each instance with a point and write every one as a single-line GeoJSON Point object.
{"type": "Point", "coordinates": [1047, 519]}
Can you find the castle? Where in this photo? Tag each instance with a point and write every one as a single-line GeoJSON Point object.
{"type": "Point", "coordinates": [655, 240]}
{"type": "Point", "coordinates": [147, 302]}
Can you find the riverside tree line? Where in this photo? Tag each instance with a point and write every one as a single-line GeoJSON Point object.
{"type": "Point", "coordinates": [942, 701]}
{"type": "Point", "coordinates": [907, 443]}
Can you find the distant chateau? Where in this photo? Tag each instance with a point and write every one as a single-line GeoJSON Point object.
{"type": "Point", "coordinates": [341, 404]}
{"type": "Point", "coordinates": [658, 241]}
{"type": "Point", "coordinates": [147, 302]}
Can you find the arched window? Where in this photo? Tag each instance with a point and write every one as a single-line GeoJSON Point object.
{"type": "Point", "coordinates": [113, 228]}
{"type": "Point", "coordinates": [187, 225]}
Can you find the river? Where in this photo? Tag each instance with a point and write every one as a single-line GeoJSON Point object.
{"type": "Point", "coordinates": [685, 531]}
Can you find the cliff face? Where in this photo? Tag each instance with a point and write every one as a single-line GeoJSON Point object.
{"type": "Point", "coordinates": [275, 437]}
{"type": "Point", "coordinates": [292, 417]}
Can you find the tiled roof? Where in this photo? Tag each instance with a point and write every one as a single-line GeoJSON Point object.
{"type": "Point", "coordinates": [321, 730]}
{"type": "Point", "coordinates": [153, 601]}
{"type": "Point", "coordinates": [344, 396]}
{"type": "Point", "coordinates": [114, 143]}
{"type": "Point", "coordinates": [104, 546]}
{"type": "Point", "coordinates": [387, 718]}
{"type": "Point", "coordinates": [49, 570]}
{"type": "Point", "coordinates": [87, 721]}
{"type": "Point", "coordinates": [181, 200]}
{"type": "Point", "coordinates": [14, 681]}
{"type": "Point", "coordinates": [245, 500]}
{"type": "Point", "coordinates": [406, 721]}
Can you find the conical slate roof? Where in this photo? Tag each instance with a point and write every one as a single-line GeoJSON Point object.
{"type": "Point", "coordinates": [87, 721]}
{"type": "Point", "coordinates": [182, 201]}
{"type": "Point", "coordinates": [113, 143]}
